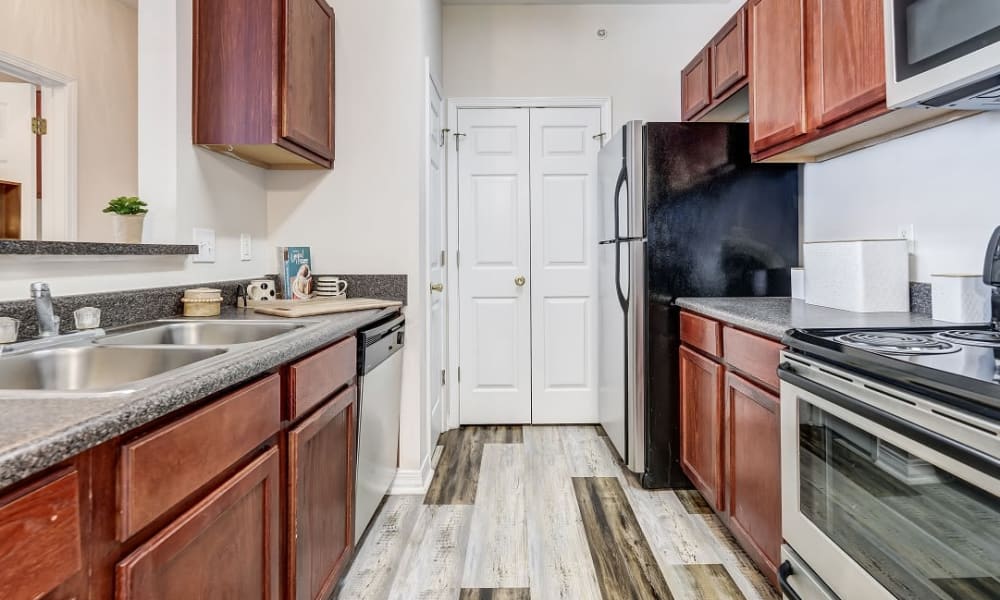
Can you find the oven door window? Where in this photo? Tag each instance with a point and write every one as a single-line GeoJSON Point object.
{"type": "Point", "coordinates": [930, 33]}
{"type": "Point", "coordinates": [918, 531]}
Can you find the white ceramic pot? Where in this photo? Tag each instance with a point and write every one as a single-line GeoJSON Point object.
{"type": "Point", "coordinates": [128, 228]}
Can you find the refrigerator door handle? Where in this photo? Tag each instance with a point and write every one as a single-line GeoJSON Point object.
{"type": "Point", "coordinates": [622, 299]}
{"type": "Point", "coordinates": [622, 181]}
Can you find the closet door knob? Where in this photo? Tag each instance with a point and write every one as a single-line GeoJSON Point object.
{"type": "Point", "coordinates": [519, 281]}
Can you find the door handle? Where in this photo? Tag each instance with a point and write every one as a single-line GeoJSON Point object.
{"type": "Point", "coordinates": [437, 287]}
{"type": "Point", "coordinates": [519, 281]}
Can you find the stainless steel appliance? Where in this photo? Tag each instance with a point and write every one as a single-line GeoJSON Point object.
{"type": "Point", "coordinates": [890, 461]}
{"type": "Point", "coordinates": [943, 53]}
{"type": "Point", "coordinates": [380, 371]}
{"type": "Point", "coordinates": [684, 212]}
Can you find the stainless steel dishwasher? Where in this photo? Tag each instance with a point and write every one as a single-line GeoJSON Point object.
{"type": "Point", "coordinates": [380, 371]}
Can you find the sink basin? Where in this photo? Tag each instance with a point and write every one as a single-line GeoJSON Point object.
{"type": "Point", "coordinates": [200, 333]}
{"type": "Point", "coordinates": [86, 368]}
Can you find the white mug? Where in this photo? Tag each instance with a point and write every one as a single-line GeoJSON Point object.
{"type": "Point", "coordinates": [261, 290]}
{"type": "Point", "coordinates": [8, 330]}
{"type": "Point", "coordinates": [331, 286]}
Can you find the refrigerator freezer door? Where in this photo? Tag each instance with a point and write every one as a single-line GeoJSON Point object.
{"type": "Point", "coordinates": [611, 372]}
{"type": "Point", "coordinates": [612, 181]}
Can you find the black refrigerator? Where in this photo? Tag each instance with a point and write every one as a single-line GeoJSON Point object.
{"type": "Point", "coordinates": [684, 213]}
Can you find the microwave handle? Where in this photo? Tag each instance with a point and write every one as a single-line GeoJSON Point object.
{"type": "Point", "coordinates": [923, 436]}
{"type": "Point", "coordinates": [784, 572]}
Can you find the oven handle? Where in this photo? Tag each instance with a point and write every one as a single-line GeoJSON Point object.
{"type": "Point", "coordinates": [784, 572]}
{"type": "Point", "coordinates": [931, 439]}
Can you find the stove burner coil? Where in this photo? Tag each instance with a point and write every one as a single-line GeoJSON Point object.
{"type": "Point", "coordinates": [887, 342]}
{"type": "Point", "coordinates": [972, 337]}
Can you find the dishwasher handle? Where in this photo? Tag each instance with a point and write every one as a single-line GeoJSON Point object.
{"type": "Point", "coordinates": [376, 345]}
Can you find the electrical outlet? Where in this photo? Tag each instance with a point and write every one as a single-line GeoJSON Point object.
{"type": "Point", "coordinates": [205, 240]}
{"type": "Point", "coordinates": [246, 247]}
{"type": "Point", "coordinates": [906, 233]}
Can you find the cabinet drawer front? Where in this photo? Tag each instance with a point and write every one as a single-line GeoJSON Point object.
{"type": "Point", "coordinates": [159, 470]}
{"type": "Point", "coordinates": [226, 546]}
{"type": "Point", "coordinates": [701, 333]}
{"type": "Point", "coordinates": [321, 496]}
{"type": "Point", "coordinates": [313, 379]}
{"type": "Point", "coordinates": [752, 355]}
{"type": "Point", "coordinates": [40, 537]}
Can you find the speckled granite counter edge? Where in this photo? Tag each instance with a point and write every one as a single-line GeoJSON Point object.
{"type": "Point", "coordinates": [55, 248]}
{"type": "Point", "coordinates": [759, 325]}
{"type": "Point", "coordinates": [144, 405]}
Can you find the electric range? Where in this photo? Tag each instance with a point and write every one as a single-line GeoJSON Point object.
{"type": "Point", "coordinates": [890, 460]}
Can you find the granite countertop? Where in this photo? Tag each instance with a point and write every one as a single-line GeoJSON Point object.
{"type": "Point", "coordinates": [40, 429]}
{"type": "Point", "coordinates": [772, 317]}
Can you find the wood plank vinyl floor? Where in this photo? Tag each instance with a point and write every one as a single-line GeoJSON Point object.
{"type": "Point", "coordinates": [546, 513]}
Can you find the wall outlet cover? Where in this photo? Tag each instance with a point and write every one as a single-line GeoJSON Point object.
{"type": "Point", "coordinates": [205, 240]}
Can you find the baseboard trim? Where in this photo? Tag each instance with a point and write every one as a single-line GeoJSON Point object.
{"type": "Point", "coordinates": [412, 481]}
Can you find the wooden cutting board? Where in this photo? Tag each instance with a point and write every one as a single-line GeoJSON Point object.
{"type": "Point", "coordinates": [311, 308]}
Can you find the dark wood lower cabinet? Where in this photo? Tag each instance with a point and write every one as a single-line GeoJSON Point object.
{"type": "Point", "coordinates": [753, 472]}
{"type": "Point", "coordinates": [321, 497]}
{"type": "Point", "coordinates": [701, 424]}
{"type": "Point", "coordinates": [226, 546]}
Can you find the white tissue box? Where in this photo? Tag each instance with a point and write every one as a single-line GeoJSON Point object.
{"type": "Point", "coordinates": [858, 275]}
{"type": "Point", "coordinates": [960, 298]}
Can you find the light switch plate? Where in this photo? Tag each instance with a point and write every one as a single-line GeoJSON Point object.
{"type": "Point", "coordinates": [205, 240]}
{"type": "Point", "coordinates": [246, 247]}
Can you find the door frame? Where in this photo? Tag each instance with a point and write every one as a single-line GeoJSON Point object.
{"type": "Point", "coordinates": [452, 392]}
{"type": "Point", "coordinates": [59, 146]}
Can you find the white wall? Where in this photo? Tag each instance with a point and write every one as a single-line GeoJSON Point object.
{"type": "Point", "coordinates": [185, 186]}
{"type": "Point", "coordinates": [365, 215]}
{"type": "Point", "coordinates": [942, 181]}
{"type": "Point", "coordinates": [553, 50]}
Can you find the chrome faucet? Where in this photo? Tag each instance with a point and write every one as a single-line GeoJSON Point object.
{"type": "Point", "coordinates": [48, 322]}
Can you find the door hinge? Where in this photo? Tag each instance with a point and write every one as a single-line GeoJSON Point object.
{"type": "Point", "coordinates": [444, 257]}
{"type": "Point", "coordinates": [599, 137]}
{"type": "Point", "coordinates": [444, 380]}
{"type": "Point", "coordinates": [456, 259]}
{"type": "Point", "coordinates": [460, 374]}
{"type": "Point", "coordinates": [39, 126]}
{"type": "Point", "coordinates": [444, 137]}
{"type": "Point", "coordinates": [458, 136]}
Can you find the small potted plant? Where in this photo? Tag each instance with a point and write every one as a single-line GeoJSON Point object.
{"type": "Point", "coordinates": [129, 213]}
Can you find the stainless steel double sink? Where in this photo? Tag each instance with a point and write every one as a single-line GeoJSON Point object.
{"type": "Point", "coordinates": [113, 362]}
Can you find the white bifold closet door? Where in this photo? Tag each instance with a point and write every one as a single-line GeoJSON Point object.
{"type": "Point", "coordinates": [527, 209]}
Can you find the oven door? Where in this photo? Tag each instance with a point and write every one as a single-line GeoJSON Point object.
{"type": "Point", "coordinates": [885, 507]}
{"type": "Point", "coordinates": [934, 46]}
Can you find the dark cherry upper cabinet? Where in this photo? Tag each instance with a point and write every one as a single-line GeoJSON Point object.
{"type": "Point", "coordinates": [321, 497]}
{"type": "Point", "coordinates": [226, 546]}
{"type": "Point", "coordinates": [777, 72]}
{"type": "Point", "coordinates": [753, 473]}
{"type": "Point", "coordinates": [701, 424]}
{"type": "Point", "coordinates": [264, 81]}
{"type": "Point", "coordinates": [696, 87]}
{"type": "Point", "coordinates": [848, 58]}
{"type": "Point", "coordinates": [728, 51]}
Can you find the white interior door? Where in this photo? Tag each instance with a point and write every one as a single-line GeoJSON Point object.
{"type": "Point", "coordinates": [17, 148]}
{"type": "Point", "coordinates": [435, 230]}
{"type": "Point", "coordinates": [564, 264]}
{"type": "Point", "coordinates": [494, 252]}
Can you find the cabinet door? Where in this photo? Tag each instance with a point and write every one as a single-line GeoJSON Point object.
{"type": "Point", "coordinates": [40, 541]}
{"type": "Point", "coordinates": [754, 470]}
{"type": "Point", "coordinates": [701, 424]}
{"type": "Point", "coordinates": [696, 92]}
{"type": "Point", "coordinates": [729, 54]}
{"type": "Point", "coordinates": [777, 72]}
{"type": "Point", "coordinates": [321, 497]}
{"type": "Point", "coordinates": [226, 546]}
{"type": "Point", "coordinates": [307, 82]}
{"type": "Point", "coordinates": [847, 59]}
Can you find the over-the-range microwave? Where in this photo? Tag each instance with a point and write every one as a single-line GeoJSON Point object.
{"type": "Point", "coordinates": [943, 53]}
